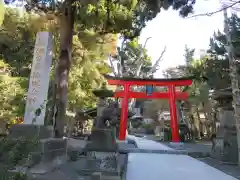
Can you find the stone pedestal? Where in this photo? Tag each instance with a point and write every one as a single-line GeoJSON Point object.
{"type": "Point", "coordinates": [226, 137]}
{"type": "Point", "coordinates": [30, 131]}
{"type": "Point", "coordinates": [101, 154]}
{"type": "Point", "coordinates": [49, 149]}
{"type": "Point", "coordinates": [102, 140]}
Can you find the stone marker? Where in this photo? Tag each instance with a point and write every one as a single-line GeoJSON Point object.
{"type": "Point", "coordinates": [39, 79]}
{"type": "Point", "coordinates": [50, 150]}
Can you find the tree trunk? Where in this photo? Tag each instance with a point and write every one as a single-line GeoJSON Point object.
{"type": "Point", "coordinates": [208, 117]}
{"type": "Point", "coordinates": [214, 128]}
{"type": "Point", "coordinates": [63, 68]}
{"type": "Point", "coordinates": [233, 67]}
{"type": "Point", "coordinates": [197, 123]}
{"type": "Point", "coordinates": [206, 124]}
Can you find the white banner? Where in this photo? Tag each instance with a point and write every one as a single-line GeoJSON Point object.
{"type": "Point", "coordinates": [39, 79]}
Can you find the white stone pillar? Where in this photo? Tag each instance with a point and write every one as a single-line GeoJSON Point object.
{"type": "Point", "coordinates": [39, 79]}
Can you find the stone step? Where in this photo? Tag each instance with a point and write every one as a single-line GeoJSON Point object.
{"type": "Point", "coordinates": [100, 176]}
{"type": "Point", "coordinates": [87, 166]}
{"type": "Point", "coordinates": [99, 164]}
{"type": "Point", "coordinates": [107, 173]}
{"type": "Point", "coordinates": [111, 178]}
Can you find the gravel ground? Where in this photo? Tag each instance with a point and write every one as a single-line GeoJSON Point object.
{"type": "Point", "coordinates": [228, 169]}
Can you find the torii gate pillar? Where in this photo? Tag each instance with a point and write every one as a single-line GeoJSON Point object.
{"type": "Point", "coordinates": [173, 113]}
{"type": "Point", "coordinates": [124, 114]}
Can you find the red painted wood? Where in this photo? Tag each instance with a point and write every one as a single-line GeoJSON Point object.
{"type": "Point", "coordinates": [155, 83]}
{"type": "Point", "coordinates": [173, 113]}
{"type": "Point", "coordinates": [124, 114]}
{"type": "Point", "coordinates": [155, 95]}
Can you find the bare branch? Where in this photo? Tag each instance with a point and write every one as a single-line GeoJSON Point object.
{"type": "Point", "coordinates": [119, 69]}
{"type": "Point", "coordinates": [120, 66]}
{"type": "Point", "coordinates": [140, 64]}
{"type": "Point", "coordinates": [142, 48]}
{"type": "Point", "coordinates": [155, 66]}
{"type": "Point", "coordinates": [214, 12]}
{"type": "Point", "coordinates": [112, 65]}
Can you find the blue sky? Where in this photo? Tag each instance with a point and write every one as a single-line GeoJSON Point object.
{"type": "Point", "coordinates": [169, 29]}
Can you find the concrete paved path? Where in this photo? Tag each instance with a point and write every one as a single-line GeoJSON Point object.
{"type": "Point", "coordinates": [143, 143]}
{"type": "Point", "coordinates": [153, 166]}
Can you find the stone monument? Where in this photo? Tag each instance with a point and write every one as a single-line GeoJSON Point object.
{"type": "Point", "coordinates": [37, 93]}
{"type": "Point", "coordinates": [33, 128]}
{"type": "Point", "coordinates": [39, 79]}
{"type": "Point", "coordinates": [226, 137]}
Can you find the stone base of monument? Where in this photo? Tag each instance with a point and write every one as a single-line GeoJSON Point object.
{"type": "Point", "coordinates": [230, 150]}
{"type": "Point", "coordinates": [225, 153]}
{"type": "Point", "coordinates": [49, 150]}
{"type": "Point", "coordinates": [226, 148]}
{"type": "Point", "coordinates": [101, 159]}
{"type": "Point", "coordinates": [102, 140]}
{"type": "Point", "coordinates": [226, 133]}
{"type": "Point", "coordinates": [30, 131]}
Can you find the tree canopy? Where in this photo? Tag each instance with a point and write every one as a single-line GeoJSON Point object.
{"type": "Point", "coordinates": [17, 38]}
{"type": "Point", "coordinates": [127, 17]}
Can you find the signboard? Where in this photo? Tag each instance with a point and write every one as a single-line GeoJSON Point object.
{"type": "Point", "coordinates": [149, 90]}
{"type": "Point", "coordinates": [39, 79]}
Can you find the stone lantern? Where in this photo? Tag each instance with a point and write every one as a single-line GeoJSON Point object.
{"type": "Point", "coordinates": [226, 136]}
{"type": "Point", "coordinates": [102, 95]}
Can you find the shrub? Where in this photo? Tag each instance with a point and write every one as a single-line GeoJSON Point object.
{"type": "Point", "coordinates": [13, 153]}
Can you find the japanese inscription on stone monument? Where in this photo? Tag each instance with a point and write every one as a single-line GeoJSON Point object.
{"type": "Point", "coordinates": [39, 78]}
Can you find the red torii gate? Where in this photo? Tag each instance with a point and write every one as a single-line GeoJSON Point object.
{"type": "Point", "coordinates": [172, 95]}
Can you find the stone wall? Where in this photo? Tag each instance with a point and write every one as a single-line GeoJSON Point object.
{"type": "Point", "coordinates": [29, 131]}
{"type": "Point", "coordinates": [49, 150]}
